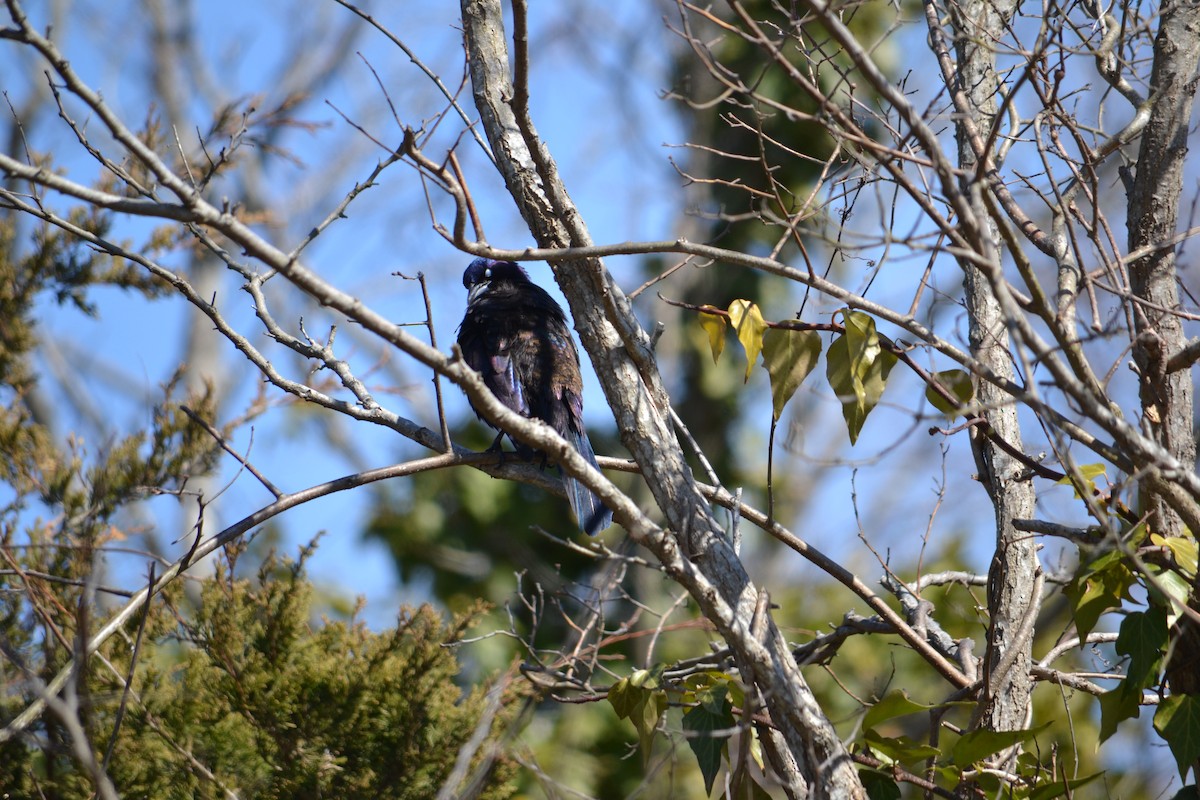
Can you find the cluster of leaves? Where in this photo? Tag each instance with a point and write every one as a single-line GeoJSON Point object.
{"type": "Point", "coordinates": [857, 361]}
{"type": "Point", "coordinates": [713, 701]}
{"type": "Point", "coordinates": [1164, 568]}
{"type": "Point", "coordinates": [247, 695]}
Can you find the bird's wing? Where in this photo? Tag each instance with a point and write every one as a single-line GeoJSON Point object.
{"type": "Point", "coordinates": [505, 384]}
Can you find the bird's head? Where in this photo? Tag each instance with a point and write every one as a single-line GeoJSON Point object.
{"type": "Point", "coordinates": [483, 274]}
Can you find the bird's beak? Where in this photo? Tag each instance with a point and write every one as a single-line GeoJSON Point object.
{"type": "Point", "coordinates": [477, 291]}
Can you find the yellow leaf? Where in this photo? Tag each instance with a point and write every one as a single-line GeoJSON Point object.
{"type": "Point", "coordinates": [748, 321]}
{"type": "Point", "coordinates": [958, 383]}
{"type": "Point", "coordinates": [789, 357]}
{"type": "Point", "coordinates": [1183, 549]}
{"type": "Point", "coordinates": [714, 326]}
{"type": "Point", "coordinates": [857, 369]}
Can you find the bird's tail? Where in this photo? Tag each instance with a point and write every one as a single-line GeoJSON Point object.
{"type": "Point", "coordinates": [592, 514]}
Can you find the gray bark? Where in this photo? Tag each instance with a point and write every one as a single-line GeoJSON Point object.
{"type": "Point", "coordinates": [1153, 218]}
{"type": "Point", "coordinates": [695, 552]}
{"type": "Point", "coordinates": [1004, 699]}
{"type": "Point", "coordinates": [1166, 398]}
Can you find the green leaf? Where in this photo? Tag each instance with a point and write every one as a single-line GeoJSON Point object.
{"type": "Point", "coordinates": [748, 321]}
{"type": "Point", "coordinates": [893, 704]}
{"type": "Point", "coordinates": [647, 722]}
{"type": "Point", "coordinates": [958, 382]}
{"type": "Point", "coordinates": [879, 785]}
{"type": "Point", "coordinates": [639, 700]}
{"type": "Point", "coordinates": [1143, 637]}
{"type": "Point", "coordinates": [1177, 720]}
{"type": "Point", "coordinates": [857, 369]}
{"type": "Point", "coordinates": [1089, 473]}
{"type": "Point", "coordinates": [714, 325]}
{"type": "Point", "coordinates": [1182, 548]}
{"type": "Point", "coordinates": [789, 357]}
{"type": "Point", "coordinates": [714, 713]}
{"type": "Point", "coordinates": [1050, 791]}
{"type": "Point", "coordinates": [1099, 585]}
{"type": "Point", "coordinates": [647, 678]}
{"type": "Point", "coordinates": [1177, 589]}
{"type": "Point", "coordinates": [750, 789]}
{"type": "Point", "coordinates": [900, 749]}
{"type": "Point", "coordinates": [979, 744]}
{"type": "Point", "coordinates": [1116, 706]}
{"type": "Point", "coordinates": [874, 382]}
{"type": "Point", "coordinates": [621, 698]}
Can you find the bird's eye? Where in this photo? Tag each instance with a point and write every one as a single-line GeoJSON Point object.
{"type": "Point", "coordinates": [487, 273]}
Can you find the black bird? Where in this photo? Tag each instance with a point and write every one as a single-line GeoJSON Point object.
{"type": "Point", "coordinates": [516, 336]}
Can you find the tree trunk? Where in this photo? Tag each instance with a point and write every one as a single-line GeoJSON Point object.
{"type": "Point", "coordinates": [1166, 397]}
{"type": "Point", "coordinates": [1004, 700]}
{"type": "Point", "coordinates": [696, 554]}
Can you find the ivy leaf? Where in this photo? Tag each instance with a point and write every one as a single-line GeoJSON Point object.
{"type": "Point", "coordinates": [1182, 548]}
{"type": "Point", "coordinates": [748, 321]}
{"type": "Point", "coordinates": [857, 369]}
{"type": "Point", "coordinates": [1178, 721]}
{"type": "Point", "coordinates": [1089, 473]}
{"type": "Point", "coordinates": [958, 382]}
{"type": "Point", "coordinates": [1099, 585]}
{"type": "Point", "coordinates": [751, 790]}
{"type": "Point", "coordinates": [714, 325]}
{"type": "Point", "coordinates": [893, 704]}
{"type": "Point", "coordinates": [879, 785]}
{"type": "Point", "coordinates": [621, 698]}
{"type": "Point", "coordinates": [789, 357]}
{"type": "Point", "coordinates": [1177, 589]}
{"type": "Point", "coordinates": [1142, 637]}
{"type": "Point", "coordinates": [1061, 788]}
{"type": "Point", "coordinates": [979, 744]}
{"type": "Point", "coordinates": [714, 713]}
{"type": "Point", "coordinates": [1116, 706]}
{"type": "Point", "coordinates": [899, 749]}
{"type": "Point", "coordinates": [638, 699]}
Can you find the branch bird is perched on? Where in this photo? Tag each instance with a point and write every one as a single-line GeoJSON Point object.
{"type": "Point", "coordinates": [516, 336]}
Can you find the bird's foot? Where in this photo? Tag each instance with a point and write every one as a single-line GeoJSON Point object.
{"type": "Point", "coordinates": [497, 449]}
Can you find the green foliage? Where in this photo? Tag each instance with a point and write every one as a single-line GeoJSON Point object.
{"type": "Point", "coordinates": [1103, 584]}
{"type": "Point", "coordinates": [703, 722]}
{"type": "Point", "coordinates": [640, 700]}
{"type": "Point", "coordinates": [879, 786]}
{"type": "Point", "coordinates": [1177, 720]}
{"type": "Point", "coordinates": [978, 744]}
{"type": "Point", "coordinates": [789, 356]}
{"type": "Point", "coordinates": [858, 368]}
{"type": "Point", "coordinates": [251, 696]}
{"type": "Point", "coordinates": [958, 384]}
{"type": "Point", "coordinates": [1099, 585]}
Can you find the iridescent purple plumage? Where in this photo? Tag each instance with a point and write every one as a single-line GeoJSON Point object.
{"type": "Point", "coordinates": [517, 338]}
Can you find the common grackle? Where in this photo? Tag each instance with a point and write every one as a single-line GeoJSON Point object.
{"type": "Point", "coordinates": [516, 336]}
